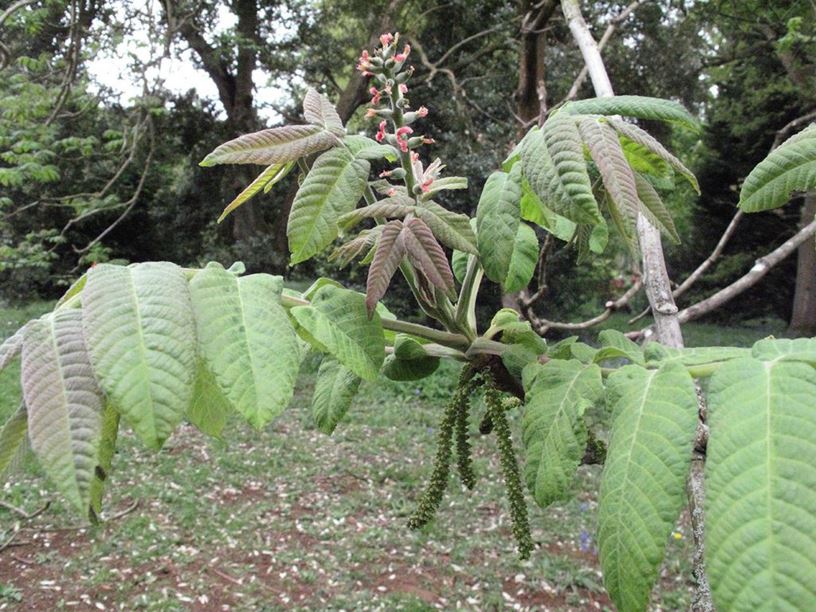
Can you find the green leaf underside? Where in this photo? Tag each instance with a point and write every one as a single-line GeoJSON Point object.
{"type": "Point", "coordinates": [642, 137]}
{"type": "Point", "coordinates": [790, 168]}
{"type": "Point", "coordinates": [761, 486]}
{"type": "Point", "coordinates": [800, 349]}
{"type": "Point", "coordinates": [332, 188]}
{"type": "Point", "coordinates": [523, 260]}
{"type": "Point", "coordinates": [642, 486]}
{"type": "Point", "coordinates": [336, 322]}
{"type": "Point", "coordinates": [497, 221]}
{"type": "Point", "coordinates": [335, 388]}
{"type": "Point", "coordinates": [614, 345]}
{"type": "Point", "coordinates": [553, 429]}
{"type": "Point", "coordinates": [395, 207]}
{"type": "Point", "coordinates": [534, 210]}
{"type": "Point", "coordinates": [410, 361]}
{"type": "Point", "coordinates": [64, 403]}
{"type": "Point", "coordinates": [273, 146]}
{"type": "Point", "coordinates": [138, 325]}
{"type": "Point", "coordinates": [654, 209]}
{"type": "Point", "coordinates": [10, 348]}
{"type": "Point", "coordinates": [272, 174]}
{"type": "Point", "coordinates": [246, 340]}
{"type": "Point", "coordinates": [209, 409]}
{"type": "Point", "coordinates": [12, 437]}
{"type": "Point", "coordinates": [318, 110]}
{"type": "Point", "coordinates": [642, 107]}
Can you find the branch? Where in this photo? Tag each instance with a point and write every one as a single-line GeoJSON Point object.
{"type": "Point", "coordinates": [541, 326]}
{"type": "Point", "coordinates": [610, 30]}
{"type": "Point", "coordinates": [761, 267]}
{"type": "Point", "coordinates": [131, 203]}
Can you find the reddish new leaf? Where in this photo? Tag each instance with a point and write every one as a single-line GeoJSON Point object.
{"type": "Point", "coordinates": [427, 255]}
{"type": "Point", "coordinates": [387, 258]}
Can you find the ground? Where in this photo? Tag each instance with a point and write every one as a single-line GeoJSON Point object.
{"type": "Point", "coordinates": [288, 518]}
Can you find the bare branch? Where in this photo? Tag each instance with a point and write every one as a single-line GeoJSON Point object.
{"type": "Point", "coordinates": [542, 326]}
{"type": "Point", "coordinates": [610, 30]}
{"type": "Point", "coordinates": [760, 268]}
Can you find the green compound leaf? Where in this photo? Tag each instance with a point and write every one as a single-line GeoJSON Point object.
{"type": "Point", "coordinates": [335, 388]}
{"type": "Point", "coordinates": [760, 479]}
{"type": "Point", "coordinates": [410, 360]}
{"type": "Point", "coordinates": [11, 347]}
{"type": "Point", "coordinates": [497, 222]}
{"type": "Point", "coordinates": [450, 228]}
{"type": "Point", "coordinates": [104, 459]}
{"type": "Point", "coordinates": [427, 255]}
{"type": "Point", "coordinates": [336, 322]}
{"type": "Point", "coordinates": [654, 209]}
{"type": "Point", "coordinates": [615, 345]}
{"type": "Point", "coordinates": [246, 340]}
{"type": "Point", "coordinates": [274, 146]}
{"type": "Point", "coordinates": [642, 486]}
{"type": "Point", "coordinates": [534, 210]}
{"type": "Point", "coordinates": [12, 438]}
{"type": "Point", "coordinates": [642, 107]}
{"type": "Point", "coordinates": [264, 181]}
{"type": "Point", "coordinates": [791, 167]}
{"type": "Point", "coordinates": [64, 403]}
{"type": "Point", "coordinates": [138, 325]}
{"type": "Point", "coordinates": [523, 260]}
{"type": "Point", "coordinates": [643, 138]}
{"type": "Point", "coordinates": [539, 169]}
{"type": "Point", "coordinates": [553, 429]}
{"type": "Point", "coordinates": [395, 207]}
{"type": "Point", "coordinates": [332, 188]}
{"type": "Point", "coordinates": [318, 110]}
{"type": "Point", "coordinates": [800, 349]}
{"type": "Point", "coordinates": [654, 352]}
{"type": "Point", "coordinates": [567, 153]}
{"type": "Point", "coordinates": [209, 409]}
{"type": "Point", "coordinates": [617, 176]}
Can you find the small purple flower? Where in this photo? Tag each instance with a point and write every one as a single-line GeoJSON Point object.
{"type": "Point", "coordinates": [583, 507]}
{"type": "Point", "coordinates": [585, 541]}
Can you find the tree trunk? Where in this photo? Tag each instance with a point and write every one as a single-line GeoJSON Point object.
{"type": "Point", "coordinates": [803, 317]}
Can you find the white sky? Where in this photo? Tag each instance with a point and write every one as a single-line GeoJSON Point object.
{"type": "Point", "coordinates": [179, 75]}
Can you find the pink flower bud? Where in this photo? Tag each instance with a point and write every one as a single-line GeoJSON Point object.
{"type": "Point", "coordinates": [375, 95]}
{"type": "Point", "coordinates": [426, 140]}
{"type": "Point", "coordinates": [385, 173]}
{"type": "Point", "coordinates": [414, 156]}
{"type": "Point", "coordinates": [380, 132]}
{"type": "Point", "coordinates": [426, 186]}
{"type": "Point", "coordinates": [402, 137]}
{"type": "Point", "coordinates": [401, 57]}
{"type": "Point", "coordinates": [391, 192]}
{"type": "Point", "coordinates": [370, 113]}
{"type": "Point", "coordinates": [386, 39]}
{"type": "Point", "coordinates": [422, 112]}
{"type": "Point", "coordinates": [403, 88]}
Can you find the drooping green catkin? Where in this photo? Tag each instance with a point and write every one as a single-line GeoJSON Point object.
{"type": "Point", "coordinates": [510, 470]}
{"type": "Point", "coordinates": [464, 461]}
{"type": "Point", "coordinates": [432, 496]}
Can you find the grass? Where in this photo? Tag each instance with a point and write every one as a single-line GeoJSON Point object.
{"type": "Point", "coordinates": [287, 518]}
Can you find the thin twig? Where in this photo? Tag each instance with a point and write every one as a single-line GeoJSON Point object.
{"type": "Point", "coordinates": [25, 515]}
